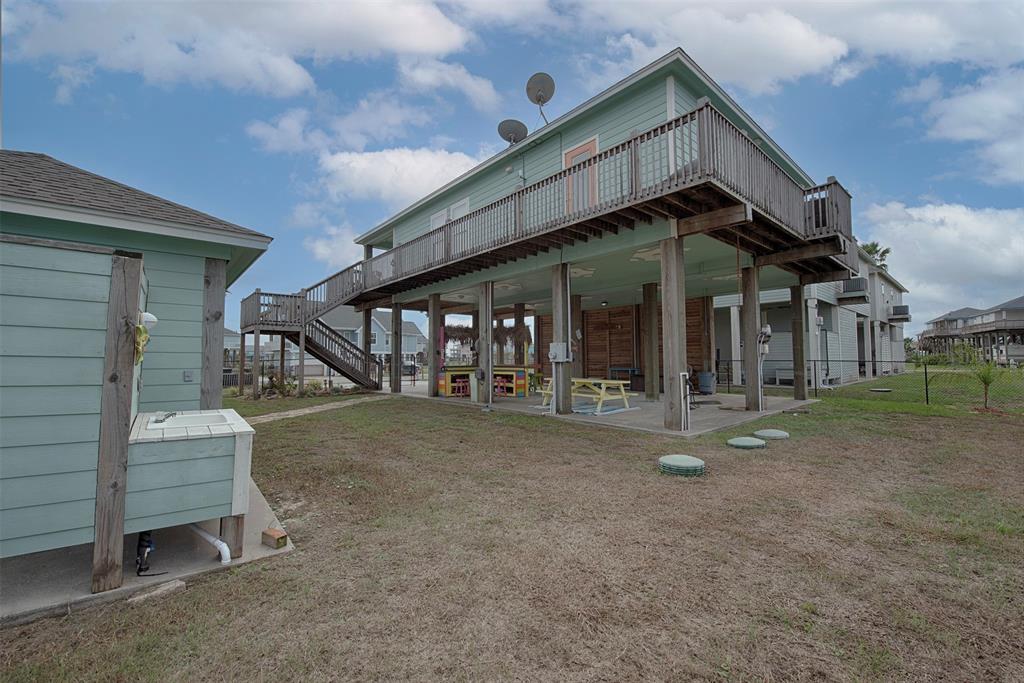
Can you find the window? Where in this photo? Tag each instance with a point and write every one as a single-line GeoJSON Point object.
{"type": "Point", "coordinates": [581, 186]}
{"type": "Point", "coordinates": [439, 219]}
{"type": "Point", "coordinates": [373, 338]}
{"type": "Point", "coordinates": [453, 212]}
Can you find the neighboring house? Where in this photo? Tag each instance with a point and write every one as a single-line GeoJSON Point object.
{"type": "Point", "coordinates": [349, 323]}
{"type": "Point", "coordinates": [998, 332]}
{"type": "Point", "coordinates": [231, 344]}
{"type": "Point", "coordinates": [82, 258]}
{"type": "Point", "coordinates": [853, 328]}
{"type": "Point", "coordinates": [616, 224]}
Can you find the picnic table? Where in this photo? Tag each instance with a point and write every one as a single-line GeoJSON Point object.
{"type": "Point", "coordinates": [594, 389]}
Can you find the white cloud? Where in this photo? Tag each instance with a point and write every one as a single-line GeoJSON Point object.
{"type": "Point", "coordinates": [378, 117]}
{"type": "Point", "coordinates": [925, 90]}
{"type": "Point", "coordinates": [397, 176]}
{"type": "Point", "coordinates": [254, 47]}
{"type": "Point", "coordinates": [336, 246]}
{"type": "Point", "coordinates": [950, 255]}
{"type": "Point", "coordinates": [69, 78]}
{"type": "Point", "coordinates": [989, 113]}
{"type": "Point", "coordinates": [289, 132]}
{"type": "Point", "coordinates": [431, 75]}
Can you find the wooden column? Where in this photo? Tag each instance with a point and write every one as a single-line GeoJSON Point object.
{"type": "Point", "coordinates": [519, 320]}
{"type": "Point", "coordinates": [486, 340]}
{"type": "Point", "coordinates": [869, 363]}
{"type": "Point", "coordinates": [652, 368]}
{"type": "Point", "coordinates": [241, 364]}
{"type": "Point", "coordinates": [796, 304]}
{"type": "Point", "coordinates": [367, 336]}
{"type": "Point", "coordinates": [302, 341]}
{"type": "Point", "coordinates": [475, 326]}
{"type": "Point", "coordinates": [673, 325]}
{"type": "Point", "coordinates": [751, 313]}
{"type": "Point", "coordinates": [232, 532]}
{"type": "Point", "coordinates": [115, 421]}
{"type": "Point", "coordinates": [434, 349]}
{"type": "Point", "coordinates": [280, 369]}
{"type": "Point", "coordinates": [735, 347]}
{"type": "Point", "coordinates": [256, 349]}
{"type": "Point", "coordinates": [560, 372]}
{"type": "Point", "coordinates": [708, 344]}
{"type": "Point", "coordinates": [212, 383]}
{"type": "Point", "coordinates": [396, 348]}
{"type": "Point", "coordinates": [577, 335]}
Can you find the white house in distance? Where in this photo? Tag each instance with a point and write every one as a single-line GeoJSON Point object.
{"type": "Point", "coordinates": [854, 329]}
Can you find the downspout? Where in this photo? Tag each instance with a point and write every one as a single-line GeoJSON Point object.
{"type": "Point", "coordinates": [221, 546]}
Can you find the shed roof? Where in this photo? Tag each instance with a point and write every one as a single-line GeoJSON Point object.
{"type": "Point", "coordinates": [40, 177]}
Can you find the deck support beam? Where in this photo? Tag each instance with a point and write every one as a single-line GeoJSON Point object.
{"type": "Point", "coordinates": [486, 320]}
{"type": "Point", "coordinates": [751, 313]}
{"type": "Point", "coordinates": [799, 311]}
{"type": "Point", "coordinates": [673, 323]}
{"type": "Point", "coordinates": [115, 422]}
{"type": "Point", "coordinates": [396, 347]}
{"type": "Point", "coordinates": [715, 220]}
{"type": "Point", "coordinates": [435, 347]}
{"type": "Point", "coordinates": [709, 334]}
{"type": "Point", "coordinates": [561, 373]}
{"type": "Point", "coordinates": [818, 250]}
{"type": "Point", "coordinates": [302, 341]}
{"type": "Point", "coordinates": [519, 320]}
{"type": "Point", "coordinates": [652, 371]}
{"type": "Point", "coordinates": [577, 338]}
{"type": "Point", "coordinates": [241, 364]}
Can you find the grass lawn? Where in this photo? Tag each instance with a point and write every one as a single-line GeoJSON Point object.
{"type": "Point", "coordinates": [247, 407]}
{"type": "Point", "coordinates": [437, 541]}
{"type": "Point", "coordinates": [950, 386]}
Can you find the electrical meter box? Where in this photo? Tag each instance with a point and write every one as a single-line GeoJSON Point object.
{"type": "Point", "coordinates": [558, 352]}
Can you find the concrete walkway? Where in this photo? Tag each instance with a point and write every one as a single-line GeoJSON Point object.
{"type": "Point", "coordinates": [298, 412]}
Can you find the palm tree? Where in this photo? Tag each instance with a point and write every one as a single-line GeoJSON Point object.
{"type": "Point", "coordinates": [877, 253]}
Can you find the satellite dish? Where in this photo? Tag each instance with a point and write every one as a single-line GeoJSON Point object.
{"type": "Point", "coordinates": [540, 89]}
{"type": "Point", "coordinates": [512, 131]}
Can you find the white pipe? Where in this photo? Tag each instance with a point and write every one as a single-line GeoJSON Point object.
{"type": "Point", "coordinates": [221, 546]}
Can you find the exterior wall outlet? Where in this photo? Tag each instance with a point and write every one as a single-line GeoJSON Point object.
{"type": "Point", "coordinates": [186, 375]}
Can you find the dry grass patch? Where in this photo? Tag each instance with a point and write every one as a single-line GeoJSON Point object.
{"type": "Point", "coordinates": [436, 541]}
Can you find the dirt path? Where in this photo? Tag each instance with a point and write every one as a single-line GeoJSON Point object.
{"type": "Point", "coordinates": [285, 414]}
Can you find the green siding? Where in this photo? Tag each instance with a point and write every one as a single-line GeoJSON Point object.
{"type": "Point", "coordinates": [612, 123]}
{"type": "Point", "coordinates": [52, 339]}
{"type": "Point", "coordinates": [174, 270]}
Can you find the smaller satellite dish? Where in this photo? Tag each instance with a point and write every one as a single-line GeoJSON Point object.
{"type": "Point", "coordinates": [540, 88]}
{"type": "Point", "coordinates": [512, 131]}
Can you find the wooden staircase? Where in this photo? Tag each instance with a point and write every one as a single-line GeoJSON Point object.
{"type": "Point", "coordinates": [340, 354]}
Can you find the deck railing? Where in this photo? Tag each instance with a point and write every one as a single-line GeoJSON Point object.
{"type": "Point", "coordinates": [699, 146]}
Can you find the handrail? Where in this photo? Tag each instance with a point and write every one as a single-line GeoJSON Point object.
{"type": "Point", "coordinates": [700, 145]}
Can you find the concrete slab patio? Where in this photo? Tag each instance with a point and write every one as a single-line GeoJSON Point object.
{"type": "Point", "coordinates": [712, 413]}
{"type": "Point", "coordinates": [58, 581]}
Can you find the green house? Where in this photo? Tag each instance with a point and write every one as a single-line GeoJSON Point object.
{"type": "Point", "coordinates": [82, 258]}
{"type": "Point", "coordinates": [614, 226]}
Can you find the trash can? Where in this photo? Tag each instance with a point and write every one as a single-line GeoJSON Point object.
{"type": "Point", "coordinates": [706, 382]}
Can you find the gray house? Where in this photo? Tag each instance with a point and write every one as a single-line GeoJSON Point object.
{"type": "Point", "coordinates": [998, 332]}
{"type": "Point", "coordinates": [349, 323]}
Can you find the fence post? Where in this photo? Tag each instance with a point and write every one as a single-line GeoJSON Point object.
{"type": "Point", "coordinates": [926, 397]}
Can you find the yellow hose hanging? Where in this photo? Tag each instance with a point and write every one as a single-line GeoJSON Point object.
{"type": "Point", "coordinates": [141, 339]}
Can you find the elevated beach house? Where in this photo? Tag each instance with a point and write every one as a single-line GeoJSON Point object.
{"type": "Point", "coordinates": [102, 433]}
{"type": "Point", "coordinates": [614, 226]}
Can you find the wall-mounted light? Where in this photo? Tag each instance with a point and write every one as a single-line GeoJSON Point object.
{"type": "Point", "coordinates": [604, 303]}
{"type": "Point", "coordinates": [149, 321]}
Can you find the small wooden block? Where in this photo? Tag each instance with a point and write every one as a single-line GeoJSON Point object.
{"type": "Point", "coordinates": [275, 538]}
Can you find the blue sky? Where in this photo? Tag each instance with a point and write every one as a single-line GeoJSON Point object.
{"type": "Point", "coordinates": [313, 122]}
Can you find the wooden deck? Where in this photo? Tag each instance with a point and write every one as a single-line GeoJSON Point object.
{"type": "Point", "coordinates": [698, 168]}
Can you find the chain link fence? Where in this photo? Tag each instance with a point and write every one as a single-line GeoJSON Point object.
{"type": "Point", "coordinates": [948, 384]}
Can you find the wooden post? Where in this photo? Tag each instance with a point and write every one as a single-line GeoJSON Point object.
{"type": "Point", "coordinates": [561, 372]}
{"type": "Point", "coordinates": [735, 347]}
{"type": "Point", "coordinates": [577, 338]}
{"type": "Point", "coordinates": [302, 341]}
{"type": "Point", "coordinates": [367, 335]}
{"type": "Point", "coordinates": [796, 303]}
{"type": "Point", "coordinates": [211, 385]}
{"type": "Point", "coordinates": [232, 531]}
{"type": "Point", "coordinates": [708, 345]}
{"type": "Point", "coordinates": [869, 364]}
{"type": "Point", "coordinates": [256, 365]}
{"type": "Point", "coordinates": [241, 364]}
{"type": "Point", "coordinates": [487, 341]}
{"type": "Point", "coordinates": [434, 349]}
{"type": "Point", "coordinates": [673, 323]}
{"type": "Point", "coordinates": [115, 421]}
{"type": "Point", "coordinates": [751, 313]}
{"type": "Point", "coordinates": [519, 320]}
{"type": "Point", "coordinates": [280, 370]}
{"type": "Point", "coordinates": [396, 347]}
{"type": "Point", "coordinates": [475, 325]}
{"type": "Point", "coordinates": [652, 369]}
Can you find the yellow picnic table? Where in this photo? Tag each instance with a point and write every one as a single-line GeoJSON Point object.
{"type": "Point", "coordinates": [593, 388]}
